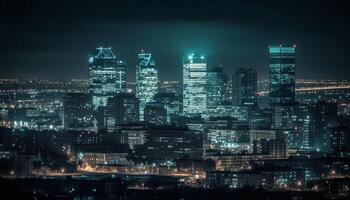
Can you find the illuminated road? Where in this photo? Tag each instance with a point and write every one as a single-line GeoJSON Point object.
{"type": "Point", "coordinates": [313, 89]}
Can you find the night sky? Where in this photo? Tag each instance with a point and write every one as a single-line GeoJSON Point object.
{"type": "Point", "coordinates": [50, 39]}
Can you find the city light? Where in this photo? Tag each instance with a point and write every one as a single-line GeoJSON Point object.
{"type": "Point", "coordinates": [206, 110]}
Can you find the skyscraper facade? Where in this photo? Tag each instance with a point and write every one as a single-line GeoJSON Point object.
{"type": "Point", "coordinates": [77, 111]}
{"type": "Point", "coordinates": [171, 102]}
{"type": "Point", "coordinates": [244, 88]}
{"type": "Point", "coordinates": [106, 76]}
{"type": "Point", "coordinates": [340, 140]}
{"type": "Point", "coordinates": [294, 122]}
{"type": "Point", "coordinates": [216, 86]}
{"type": "Point", "coordinates": [194, 85]}
{"type": "Point", "coordinates": [123, 108]}
{"type": "Point", "coordinates": [282, 74]}
{"type": "Point", "coordinates": [155, 113]}
{"type": "Point", "coordinates": [323, 117]}
{"type": "Point", "coordinates": [146, 80]}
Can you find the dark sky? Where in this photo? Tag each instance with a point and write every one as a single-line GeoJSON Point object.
{"type": "Point", "coordinates": [50, 39]}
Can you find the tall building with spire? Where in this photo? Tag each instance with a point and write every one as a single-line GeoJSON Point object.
{"type": "Point", "coordinates": [146, 80]}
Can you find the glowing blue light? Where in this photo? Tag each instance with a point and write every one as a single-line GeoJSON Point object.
{"type": "Point", "coordinates": [202, 57]}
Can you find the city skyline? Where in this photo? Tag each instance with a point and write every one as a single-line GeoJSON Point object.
{"type": "Point", "coordinates": [195, 99]}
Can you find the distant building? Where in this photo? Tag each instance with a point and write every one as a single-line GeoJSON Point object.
{"type": "Point", "coordinates": [86, 138]}
{"type": "Point", "coordinates": [123, 108]}
{"type": "Point", "coordinates": [268, 178]}
{"type": "Point", "coordinates": [276, 147]}
{"type": "Point", "coordinates": [170, 87]}
{"type": "Point", "coordinates": [102, 154]}
{"type": "Point", "coordinates": [171, 102]}
{"type": "Point", "coordinates": [287, 177]}
{"type": "Point", "coordinates": [155, 113]}
{"type": "Point", "coordinates": [194, 85]}
{"type": "Point", "coordinates": [169, 142]}
{"type": "Point", "coordinates": [314, 165]}
{"type": "Point", "coordinates": [216, 86]}
{"type": "Point", "coordinates": [132, 134]}
{"type": "Point", "coordinates": [340, 140]}
{"type": "Point", "coordinates": [146, 80]}
{"type": "Point", "coordinates": [294, 121]}
{"type": "Point", "coordinates": [106, 76]}
{"type": "Point", "coordinates": [261, 119]}
{"type": "Point", "coordinates": [229, 179]}
{"type": "Point", "coordinates": [261, 134]}
{"type": "Point", "coordinates": [282, 74]}
{"type": "Point", "coordinates": [234, 161]}
{"type": "Point", "coordinates": [245, 88]}
{"type": "Point", "coordinates": [223, 138]}
{"type": "Point", "coordinates": [323, 116]}
{"type": "Point", "coordinates": [238, 112]}
{"type": "Point", "coordinates": [77, 111]}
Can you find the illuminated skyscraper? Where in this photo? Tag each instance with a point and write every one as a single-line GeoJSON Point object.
{"type": "Point", "coordinates": [146, 80]}
{"type": "Point", "coordinates": [244, 88]}
{"type": "Point", "coordinates": [106, 76]}
{"type": "Point", "coordinates": [216, 87]}
{"type": "Point", "coordinates": [194, 85]}
{"type": "Point", "coordinates": [282, 74]}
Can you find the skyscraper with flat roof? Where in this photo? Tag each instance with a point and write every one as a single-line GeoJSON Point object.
{"type": "Point", "coordinates": [194, 85]}
{"type": "Point", "coordinates": [282, 74]}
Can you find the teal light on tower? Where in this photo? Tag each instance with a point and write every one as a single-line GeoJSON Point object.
{"type": "Point", "coordinates": [106, 76]}
{"type": "Point", "coordinates": [194, 85]}
{"type": "Point", "coordinates": [146, 80]}
{"type": "Point", "coordinates": [282, 74]}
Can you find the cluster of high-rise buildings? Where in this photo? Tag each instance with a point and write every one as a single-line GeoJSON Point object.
{"type": "Point", "coordinates": [209, 125]}
{"type": "Point", "coordinates": [205, 93]}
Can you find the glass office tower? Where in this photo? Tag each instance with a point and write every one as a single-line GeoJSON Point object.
{"type": "Point", "coordinates": [77, 111]}
{"type": "Point", "coordinates": [245, 88]}
{"type": "Point", "coordinates": [106, 76]}
{"type": "Point", "coordinates": [194, 85]}
{"type": "Point", "coordinates": [146, 80]}
{"type": "Point", "coordinates": [323, 117]}
{"type": "Point", "coordinates": [171, 102]}
{"type": "Point", "coordinates": [123, 108]}
{"type": "Point", "coordinates": [282, 74]}
{"type": "Point", "coordinates": [216, 87]}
